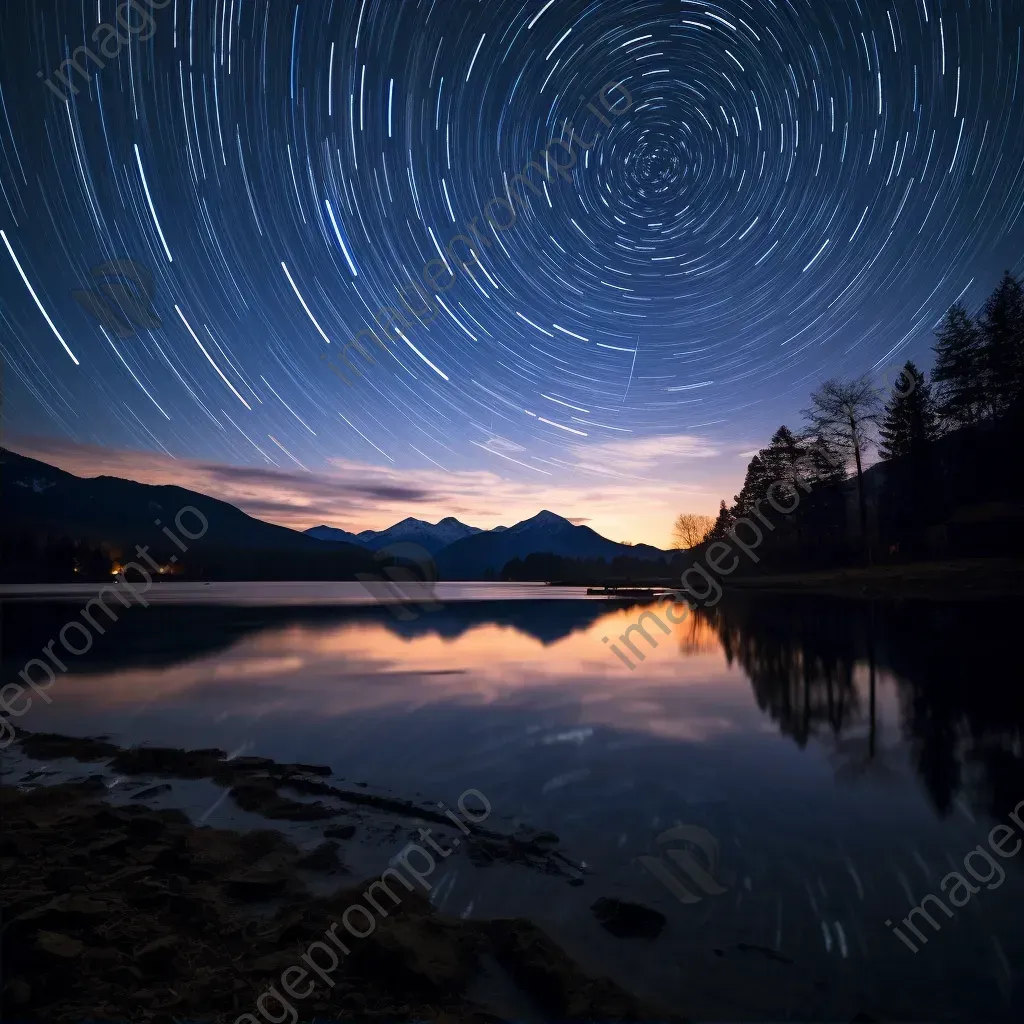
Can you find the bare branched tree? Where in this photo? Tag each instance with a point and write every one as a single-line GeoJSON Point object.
{"type": "Point", "coordinates": [691, 529]}
{"type": "Point", "coordinates": [845, 415]}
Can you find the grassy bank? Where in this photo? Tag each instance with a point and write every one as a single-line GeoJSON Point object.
{"type": "Point", "coordinates": [962, 579]}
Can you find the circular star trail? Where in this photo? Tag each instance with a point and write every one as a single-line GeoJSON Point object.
{"type": "Point", "coordinates": [758, 194]}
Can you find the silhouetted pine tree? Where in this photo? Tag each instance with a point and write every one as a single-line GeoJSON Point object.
{"type": "Point", "coordinates": [786, 460]}
{"type": "Point", "coordinates": [1001, 326]}
{"type": "Point", "coordinates": [909, 423]}
{"type": "Point", "coordinates": [755, 487]}
{"type": "Point", "coordinates": [825, 463]}
{"type": "Point", "coordinates": [723, 524]}
{"type": "Point", "coordinates": [960, 372]}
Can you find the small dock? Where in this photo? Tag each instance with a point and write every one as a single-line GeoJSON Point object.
{"type": "Point", "coordinates": [628, 593]}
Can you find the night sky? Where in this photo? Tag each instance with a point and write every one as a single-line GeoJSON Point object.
{"type": "Point", "coordinates": [782, 190]}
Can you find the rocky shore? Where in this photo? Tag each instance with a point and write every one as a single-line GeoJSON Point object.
{"type": "Point", "coordinates": [126, 912]}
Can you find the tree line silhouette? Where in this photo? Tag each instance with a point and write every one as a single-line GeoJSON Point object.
{"type": "Point", "coordinates": [29, 558]}
{"type": "Point", "coordinates": [947, 481]}
{"type": "Point", "coordinates": [34, 555]}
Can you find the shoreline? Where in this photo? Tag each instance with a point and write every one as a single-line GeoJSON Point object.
{"type": "Point", "coordinates": [118, 910]}
{"type": "Point", "coordinates": [961, 579]}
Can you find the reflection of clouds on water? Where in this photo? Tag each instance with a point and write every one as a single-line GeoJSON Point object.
{"type": "Point", "coordinates": [255, 667]}
{"type": "Point", "coordinates": [360, 665]}
{"type": "Point", "coordinates": [577, 736]}
{"type": "Point", "coordinates": [561, 781]}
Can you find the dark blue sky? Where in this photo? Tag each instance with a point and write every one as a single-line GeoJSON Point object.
{"type": "Point", "coordinates": [785, 190]}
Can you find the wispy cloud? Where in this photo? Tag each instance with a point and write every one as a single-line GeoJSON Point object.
{"type": "Point", "coordinates": [633, 455]}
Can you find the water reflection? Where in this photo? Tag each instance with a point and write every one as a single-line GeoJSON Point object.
{"type": "Point", "coordinates": [815, 667]}
{"type": "Point", "coordinates": [867, 682]}
{"type": "Point", "coordinates": [331, 664]}
{"type": "Point", "coordinates": [839, 752]}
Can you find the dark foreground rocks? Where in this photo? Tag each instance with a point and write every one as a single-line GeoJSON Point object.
{"type": "Point", "coordinates": [269, 788]}
{"type": "Point", "coordinates": [128, 913]}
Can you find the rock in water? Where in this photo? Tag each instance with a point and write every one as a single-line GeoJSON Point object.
{"type": "Point", "coordinates": [628, 920]}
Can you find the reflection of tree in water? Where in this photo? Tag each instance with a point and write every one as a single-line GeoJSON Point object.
{"type": "Point", "coordinates": [863, 756]}
{"type": "Point", "coordinates": [696, 635]}
{"type": "Point", "coordinates": [962, 703]}
{"type": "Point", "coordinates": [794, 665]}
{"type": "Point", "coordinates": [955, 670]}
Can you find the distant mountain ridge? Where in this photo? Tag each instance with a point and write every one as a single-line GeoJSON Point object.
{"type": "Point", "coordinates": [468, 553]}
{"type": "Point", "coordinates": [46, 503]}
{"type": "Point", "coordinates": [415, 531]}
{"type": "Point", "coordinates": [487, 553]}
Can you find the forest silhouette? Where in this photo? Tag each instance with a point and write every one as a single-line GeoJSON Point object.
{"type": "Point", "coordinates": [947, 481]}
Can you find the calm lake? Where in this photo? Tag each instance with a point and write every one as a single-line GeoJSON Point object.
{"type": "Point", "coordinates": [835, 761]}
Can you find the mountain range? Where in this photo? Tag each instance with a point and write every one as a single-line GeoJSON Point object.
{"type": "Point", "coordinates": [47, 504]}
{"type": "Point", "coordinates": [465, 552]}
{"type": "Point", "coordinates": [410, 531]}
